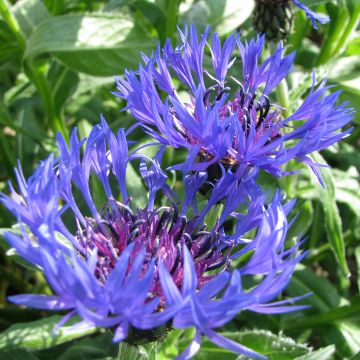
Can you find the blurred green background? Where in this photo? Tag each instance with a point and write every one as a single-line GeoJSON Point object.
{"type": "Point", "coordinates": [58, 59]}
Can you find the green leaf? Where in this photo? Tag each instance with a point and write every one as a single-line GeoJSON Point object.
{"type": "Point", "coordinates": [16, 354]}
{"type": "Point", "coordinates": [223, 16]}
{"type": "Point", "coordinates": [348, 188]}
{"type": "Point", "coordinates": [356, 357]}
{"type": "Point", "coordinates": [357, 258]}
{"type": "Point", "coordinates": [342, 68]}
{"type": "Point", "coordinates": [100, 45]}
{"type": "Point", "coordinates": [312, 3]}
{"type": "Point", "coordinates": [275, 347]}
{"type": "Point", "coordinates": [352, 84]}
{"type": "Point", "coordinates": [333, 228]}
{"type": "Point", "coordinates": [63, 83]}
{"type": "Point", "coordinates": [39, 334]}
{"type": "Point", "coordinates": [321, 354]}
{"type": "Point", "coordinates": [354, 47]}
{"type": "Point", "coordinates": [346, 337]}
{"type": "Point", "coordinates": [134, 352]}
{"type": "Point", "coordinates": [325, 296]}
{"type": "Point", "coordinates": [29, 14]}
{"type": "Point", "coordinates": [303, 221]}
{"type": "Point", "coordinates": [331, 316]}
{"type": "Point", "coordinates": [96, 347]}
{"type": "Point", "coordinates": [336, 29]}
{"type": "Point", "coordinates": [8, 44]}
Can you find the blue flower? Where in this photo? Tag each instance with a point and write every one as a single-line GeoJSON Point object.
{"type": "Point", "coordinates": [129, 268]}
{"type": "Point", "coordinates": [313, 16]}
{"type": "Point", "coordinates": [224, 119]}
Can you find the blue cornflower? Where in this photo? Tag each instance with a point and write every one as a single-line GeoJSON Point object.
{"type": "Point", "coordinates": [139, 269]}
{"type": "Point", "coordinates": [312, 15]}
{"type": "Point", "coordinates": [224, 119]}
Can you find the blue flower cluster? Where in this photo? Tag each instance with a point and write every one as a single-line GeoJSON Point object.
{"type": "Point", "coordinates": [229, 120]}
{"type": "Point", "coordinates": [133, 269]}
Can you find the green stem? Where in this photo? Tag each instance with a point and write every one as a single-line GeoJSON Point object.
{"type": "Point", "coordinates": [335, 34]}
{"type": "Point", "coordinates": [34, 73]}
{"type": "Point", "coordinates": [353, 23]}
{"type": "Point", "coordinates": [12, 23]}
{"type": "Point", "coordinates": [316, 228]}
{"type": "Point", "coordinates": [214, 215]}
{"type": "Point", "coordinates": [282, 89]}
{"type": "Point", "coordinates": [37, 76]}
{"type": "Point", "coordinates": [7, 152]}
{"type": "Point", "coordinates": [172, 7]}
{"type": "Point", "coordinates": [282, 92]}
{"type": "Point", "coordinates": [303, 28]}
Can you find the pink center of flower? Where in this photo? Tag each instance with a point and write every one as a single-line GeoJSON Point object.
{"type": "Point", "coordinates": [161, 233]}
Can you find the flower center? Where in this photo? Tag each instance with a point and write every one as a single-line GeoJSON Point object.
{"type": "Point", "coordinates": [161, 233]}
{"type": "Point", "coordinates": [253, 112]}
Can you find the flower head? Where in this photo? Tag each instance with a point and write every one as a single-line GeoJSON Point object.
{"type": "Point", "coordinates": [141, 269]}
{"type": "Point", "coordinates": [275, 17]}
{"type": "Point", "coordinates": [224, 119]}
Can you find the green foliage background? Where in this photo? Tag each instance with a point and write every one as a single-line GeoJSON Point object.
{"type": "Point", "coordinates": [57, 62]}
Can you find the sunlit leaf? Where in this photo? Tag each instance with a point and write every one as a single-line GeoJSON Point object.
{"type": "Point", "coordinates": [101, 45]}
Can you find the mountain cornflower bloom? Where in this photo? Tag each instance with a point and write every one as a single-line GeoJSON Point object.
{"type": "Point", "coordinates": [224, 119]}
{"type": "Point", "coordinates": [138, 270]}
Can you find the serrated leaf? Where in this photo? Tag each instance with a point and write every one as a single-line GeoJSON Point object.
{"type": "Point", "coordinates": [333, 228]}
{"type": "Point", "coordinates": [100, 45]}
{"type": "Point", "coordinates": [39, 334]}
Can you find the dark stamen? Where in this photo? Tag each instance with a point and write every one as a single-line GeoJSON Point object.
{"type": "Point", "coordinates": [183, 221]}
{"type": "Point", "coordinates": [206, 249]}
{"type": "Point", "coordinates": [156, 246]}
{"type": "Point", "coordinates": [217, 265]}
{"type": "Point", "coordinates": [177, 259]}
{"type": "Point", "coordinates": [174, 218]}
{"type": "Point", "coordinates": [188, 240]}
{"type": "Point", "coordinates": [133, 234]}
{"type": "Point", "coordinates": [164, 216]}
{"type": "Point", "coordinates": [221, 93]}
